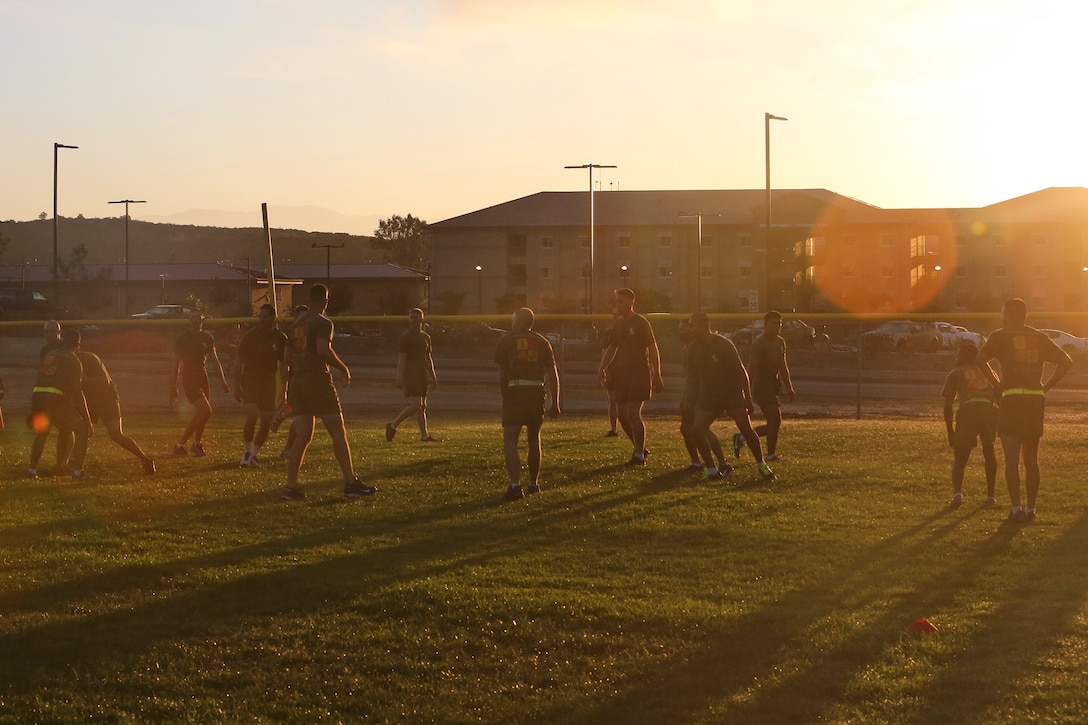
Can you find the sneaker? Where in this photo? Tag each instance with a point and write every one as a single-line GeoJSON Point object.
{"type": "Point", "coordinates": [725, 470]}
{"type": "Point", "coordinates": [513, 493]}
{"type": "Point", "coordinates": [1016, 517]}
{"type": "Point", "coordinates": [179, 449]}
{"type": "Point", "coordinates": [636, 461]}
{"type": "Point", "coordinates": [770, 457]}
{"type": "Point", "coordinates": [254, 462]}
{"type": "Point", "coordinates": [149, 466]}
{"type": "Point", "coordinates": [32, 473]}
{"type": "Point", "coordinates": [285, 454]}
{"type": "Point", "coordinates": [989, 502]}
{"type": "Point", "coordinates": [766, 472]}
{"type": "Point", "coordinates": [738, 443]}
{"type": "Point", "coordinates": [1029, 516]}
{"type": "Point", "coordinates": [533, 488]}
{"type": "Point", "coordinates": [645, 452]}
{"type": "Point", "coordinates": [80, 475]}
{"type": "Point", "coordinates": [357, 488]}
{"type": "Point", "coordinates": [390, 431]}
{"type": "Point", "coordinates": [292, 493]}
{"type": "Point", "coordinates": [956, 502]}
{"type": "Point", "coordinates": [695, 467]}
{"type": "Point", "coordinates": [428, 439]}
{"type": "Point", "coordinates": [708, 476]}
{"type": "Point", "coordinates": [197, 449]}
{"type": "Point", "coordinates": [611, 434]}
{"type": "Point", "coordinates": [244, 463]}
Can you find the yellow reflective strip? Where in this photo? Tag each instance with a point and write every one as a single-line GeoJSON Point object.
{"type": "Point", "coordinates": [43, 389]}
{"type": "Point", "coordinates": [1020, 391]}
{"type": "Point", "coordinates": [523, 383]}
{"type": "Point", "coordinates": [979, 400]}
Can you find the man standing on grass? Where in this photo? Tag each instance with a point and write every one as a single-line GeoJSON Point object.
{"type": "Point", "coordinates": [257, 360]}
{"type": "Point", "coordinates": [312, 394]}
{"type": "Point", "coordinates": [1022, 351]}
{"type": "Point", "coordinates": [687, 416]}
{"type": "Point", "coordinates": [415, 376]}
{"type": "Point", "coordinates": [191, 352]}
{"type": "Point", "coordinates": [770, 374]}
{"type": "Point", "coordinates": [57, 402]}
{"type": "Point", "coordinates": [975, 420]}
{"type": "Point", "coordinates": [104, 405]}
{"type": "Point", "coordinates": [723, 387]}
{"type": "Point", "coordinates": [631, 364]}
{"type": "Point", "coordinates": [526, 374]}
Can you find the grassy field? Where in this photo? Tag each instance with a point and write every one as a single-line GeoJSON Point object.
{"type": "Point", "coordinates": [618, 594]}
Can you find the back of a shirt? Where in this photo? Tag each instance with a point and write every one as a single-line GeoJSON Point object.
{"type": "Point", "coordinates": [1022, 352]}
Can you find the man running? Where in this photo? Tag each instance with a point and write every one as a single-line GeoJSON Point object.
{"type": "Point", "coordinates": [312, 394]}
{"type": "Point", "coordinates": [104, 405]}
{"type": "Point", "coordinates": [974, 421]}
{"type": "Point", "coordinates": [631, 364]}
{"type": "Point", "coordinates": [526, 374]}
{"type": "Point", "coordinates": [57, 402]}
{"type": "Point", "coordinates": [687, 416]}
{"type": "Point", "coordinates": [257, 360]}
{"type": "Point", "coordinates": [415, 376]}
{"type": "Point", "coordinates": [1022, 352]}
{"type": "Point", "coordinates": [191, 352]}
{"type": "Point", "coordinates": [770, 374]}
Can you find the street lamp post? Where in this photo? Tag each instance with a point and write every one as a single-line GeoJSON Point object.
{"type": "Point", "coordinates": [163, 278]}
{"type": "Point", "coordinates": [56, 282]}
{"type": "Point", "coordinates": [698, 215]}
{"type": "Point", "coordinates": [479, 290]}
{"type": "Point", "coordinates": [328, 256]}
{"type": "Point", "coordinates": [623, 275]}
{"type": "Point", "coordinates": [126, 202]}
{"type": "Point", "coordinates": [767, 118]}
{"type": "Point", "coordinates": [592, 235]}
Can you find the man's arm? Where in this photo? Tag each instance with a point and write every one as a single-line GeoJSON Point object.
{"type": "Point", "coordinates": [1061, 368]}
{"type": "Point", "coordinates": [784, 373]}
{"type": "Point", "coordinates": [432, 378]}
{"type": "Point", "coordinates": [326, 353]}
{"type": "Point", "coordinates": [174, 377]}
{"type": "Point", "coordinates": [219, 368]}
{"type": "Point", "coordinates": [553, 387]}
{"type": "Point", "coordinates": [657, 384]}
{"type": "Point", "coordinates": [607, 357]}
{"type": "Point", "coordinates": [402, 365]}
{"type": "Point", "coordinates": [239, 363]}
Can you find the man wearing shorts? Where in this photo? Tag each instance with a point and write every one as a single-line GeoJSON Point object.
{"type": "Point", "coordinates": [104, 406]}
{"type": "Point", "coordinates": [722, 386]}
{"type": "Point", "coordinates": [415, 376]}
{"type": "Point", "coordinates": [1021, 351]}
{"type": "Point", "coordinates": [527, 374]}
{"type": "Point", "coordinates": [191, 352]}
{"type": "Point", "coordinates": [57, 402]}
{"type": "Point", "coordinates": [975, 420]}
{"type": "Point", "coordinates": [312, 395]}
{"type": "Point", "coordinates": [631, 365]}
{"type": "Point", "coordinates": [770, 374]}
{"type": "Point", "coordinates": [687, 417]}
{"type": "Point", "coordinates": [257, 360]}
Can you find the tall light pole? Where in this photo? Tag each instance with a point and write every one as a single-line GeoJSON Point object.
{"type": "Point", "coordinates": [163, 277]}
{"type": "Point", "coordinates": [328, 258]}
{"type": "Point", "coordinates": [126, 202]}
{"type": "Point", "coordinates": [767, 118]}
{"type": "Point", "coordinates": [698, 256]}
{"type": "Point", "coordinates": [479, 290]}
{"type": "Point", "coordinates": [623, 275]}
{"type": "Point", "coordinates": [56, 282]}
{"type": "Point", "coordinates": [592, 234]}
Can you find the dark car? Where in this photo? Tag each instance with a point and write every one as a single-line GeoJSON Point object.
{"type": "Point", "coordinates": [24, 304]}
{"type": "Point", "coordinates": [795, 332]}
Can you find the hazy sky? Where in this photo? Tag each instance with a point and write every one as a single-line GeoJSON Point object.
{"type": "Point", "coordinates": [372, 108]}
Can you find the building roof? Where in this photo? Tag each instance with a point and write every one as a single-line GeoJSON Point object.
{"type": "Point", "coordinates": [662, 208]}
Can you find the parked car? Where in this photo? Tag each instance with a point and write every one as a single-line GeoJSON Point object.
{"type": "Point", "coordinates": [164, 312]}
{"type": "Point", "coordinates": [1070, 343]}
{"type": "Point", "coordinates": [796, 333]}
{"type": "Point", "coordinates": [953, 335]}
{"type": "Point", "coordinates": [24, 304]}
{"type": "Point", "coordinates": [903, 336]}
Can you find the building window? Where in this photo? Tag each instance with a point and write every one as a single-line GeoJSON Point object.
{"type": "Point", "coordinates": [745, 240]}
{"type": "Point", "coordinates": [1038, 270]}
{"type": "Point", "coordinates": [848, 272]}
{"type": "Point", "coordinates": [664, 271]}
{"type": "Point", "coordinates": [516, 275]}
{"type": "Point", "coordinates": [885, 240]}
{"type": "Point", "coordinates": [583, 242]}
{"type": "Point", "coordinates": [848, 240]}
{"type": "Point", "coordinates": [545, 272]}
{"type": "Point", "coordinates": [665, 240]}
{"type": "Point", "coordinates": [999, 270]}
{"type": "Point", "coordinates": [623, 241]}
{"type": "Point", "coordinates": [705, 271]}
{"type": "Point", "coordinates": [999, 240]}
{"type": "Point", "coordinates": [961, 270]}
{"type": "Point", "coordinates": [515, 245]}
{"type": "Point", "coordinates": [1038, 238]}
{"type": "Point", "coordinates": [745, 271]}
{"type": "Point", "coordinates": [546, 243]}
{"type": "Point", "coordinates": [742, 302]}
{"type": "Point", "coordinates": [885, 271]}
{"type": "Point", "coordinates": [706, 241]}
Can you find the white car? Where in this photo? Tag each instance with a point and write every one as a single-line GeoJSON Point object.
{"type": "Point", "coordinates": [953, 335]}
{"type": "Point", "coordinates": [1070, 343]}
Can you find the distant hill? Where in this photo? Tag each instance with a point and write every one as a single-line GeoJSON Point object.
{"type": "Point", "coordinates": [283, 217]}
{"type": "Point", "coordinates": [151, 243]}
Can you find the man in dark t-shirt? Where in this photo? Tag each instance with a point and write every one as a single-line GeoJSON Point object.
{"type": "Point", "coordinates": [104, 406]}
{"type": "Point", "coordinates": [57, 402]}
{"type": "Point", "coordinates": [527, 374]}
{"type": "Point", "coordinates": [631, 368]}
{"type": "Point", "coordinates": [415, 376]}
{"type": "Point", "coordinates": [974, 421]}
{"type": "Point", "coordinates": [191, 352]}
{"type": "Point", "coordinates": [770, 375]}
{"type": "Point", "coordinates": [1021, 351]}
{"type": "Point", "coordinates": [257, 360]}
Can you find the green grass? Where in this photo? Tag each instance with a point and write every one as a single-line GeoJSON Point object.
{"type": "Point", "coordinates": [616, 595]}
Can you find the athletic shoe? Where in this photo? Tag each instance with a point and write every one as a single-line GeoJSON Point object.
{"type": "Point", "coordinates": [32, 473]}
{"type": "Point", "coordinates": [611, 434]}
{"type": "Point", "coordinates": [636, 461]}
{"type": "Point", "coordinates": [956, 501]}
{"type": "Point", "coordinates": [197, 449]}
{"type": "Point", "coordinates": [1016, 517]}
{"type": "Point", "coordinates": [708, 476]}
{"type": "Point", "coordinates": [533, 488]}
{"type": "Point", "coordinates": [390, 431]}
{"type": "Point", "coordinates": [254, 462]}
{"type": "Point", "coordinates": [513, 493]}
{"type": "Point", "coordinates": [149, 466]}
{"type": "Point", "coordinates": [725, 470]}
{"type": "Point", "coordinates": [695, 467]}
{"type": "Point", "coordinates": [179, 449]}
{"type": "Point", "coordinates": [738, 443]}
{"type": "Point", "coordinates": [80, 475]}
{"type": "Point", "coordinates": [1029, 516]}
{"type": "Point", "coordinates": [428, 439]}
{"type": "Point", "coordinates": [766, 472]}
{"type": "Point", "coordinates": [989, 502]}
{"type": "Point", "coordinates": [357, 488]}
{"type": "Point", "coordinates": [645, 452]}
{"type": "Point", "coordinates": [292, 493]}
{"type": "Point", "coordinates": [770, 457]}
{"type": "Point", "coordinates": [285, 454]}
{"type": "Point", "coordinates": [244, 463]}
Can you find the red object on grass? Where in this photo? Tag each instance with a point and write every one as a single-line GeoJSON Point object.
{"type": "Point", "coordinates": [920, 626]}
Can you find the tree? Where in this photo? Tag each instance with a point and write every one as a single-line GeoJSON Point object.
{"type": "Point", "coordinates": [91, 291]}
{"type": "Point", "coordinates": [4, 242]}
{"type": "Point", "coordinates": [451, 302]}
{"type": "Point", "coordinates": [403, 240]}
